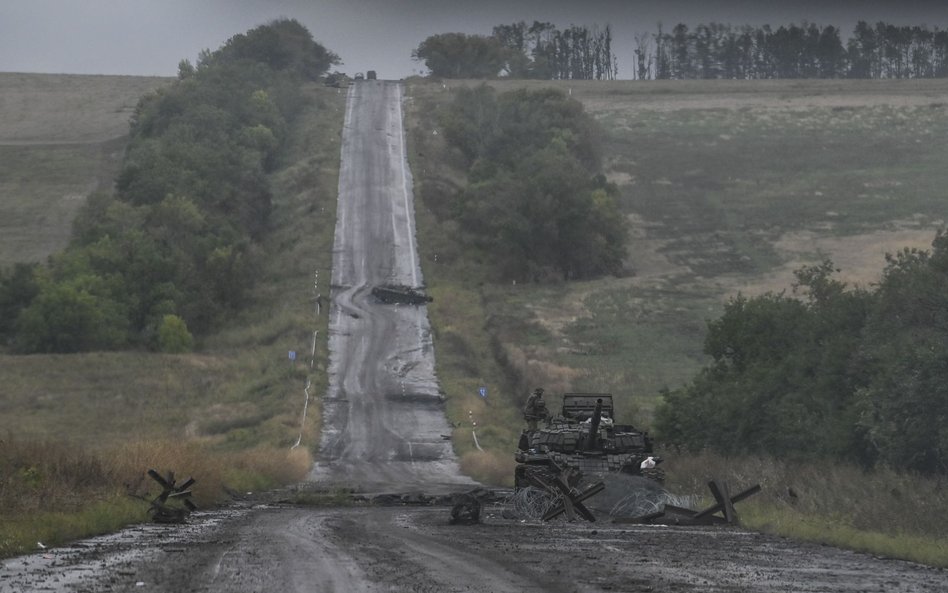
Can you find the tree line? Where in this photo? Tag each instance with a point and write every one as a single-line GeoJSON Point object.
{"type": "Point", "coordinates": [537, 51]}
{"type": "Point", "coordinates": [536, 201]}
{"type": "Point", "coordinates": [723, 51]}
{"type": "Point", "coordinates": [174, 250]}
{"type": "Point", "coordinates": [708, 51]}
{"type": "Point", "coordinates": [829, 371]}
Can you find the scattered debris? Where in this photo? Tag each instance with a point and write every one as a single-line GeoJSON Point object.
{"type": "Point", "coordinates": [466, 509]}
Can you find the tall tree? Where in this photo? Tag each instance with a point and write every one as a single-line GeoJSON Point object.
{"type": "Point", "coordinates": [192, 202]}
{"type": "Point", "coordinates": [458, 55]}
{"type": "Point", "coordinates": [535, 201]}
{"type": "Point", "coordinates": [905, 351]}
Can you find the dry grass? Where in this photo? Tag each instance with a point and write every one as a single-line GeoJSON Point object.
{"type": "Point", "coordinates": [78, 431]}
{"type": "Point", "coordinates": [51, 491]}
{"type": "Point", "coordinates": [633, 97]}
{"type": "Point", "coordinates": [859, 257]}
{"type": "Point", "coordinates": [883, 511]}
{"type": "Point", "coordinates": [103, 397]}
{"type": "Point", "coordinates": [489, 467]}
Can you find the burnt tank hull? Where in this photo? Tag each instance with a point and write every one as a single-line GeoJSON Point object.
{"type": "Point", "coordinates": [584, 437]}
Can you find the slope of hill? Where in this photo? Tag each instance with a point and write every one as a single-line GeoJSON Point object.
{"type": "Point", "coordinates": [61, 137]}
{"type": "Point", "coordinates": [728, 186]}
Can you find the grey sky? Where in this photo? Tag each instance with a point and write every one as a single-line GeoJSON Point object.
{"type": "Point", "coordinates": [149, 37]}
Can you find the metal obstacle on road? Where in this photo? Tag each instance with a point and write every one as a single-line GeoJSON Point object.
{"type": "Point", "coordinates": [161, 510]}
{"type": "Point", "coordinates": [675, 515]}
{"type": "Point", "coordinates": [569, 500]}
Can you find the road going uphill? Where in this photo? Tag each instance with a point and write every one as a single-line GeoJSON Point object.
{"type": "Point", "coordinates": [383, 427]}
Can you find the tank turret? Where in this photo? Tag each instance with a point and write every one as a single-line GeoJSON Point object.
{"type": "Point", "coordinates": [585, 437]}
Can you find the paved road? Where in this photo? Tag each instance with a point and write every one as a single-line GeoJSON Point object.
{"type": "Point", "coordinates": [383, 418]}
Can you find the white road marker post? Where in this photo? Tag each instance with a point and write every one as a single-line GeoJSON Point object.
{"type": "Point", "coordinates": [470, 415]}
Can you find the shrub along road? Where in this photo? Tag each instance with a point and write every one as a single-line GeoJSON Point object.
{"type": "Point", "coordinates": [382, 433]}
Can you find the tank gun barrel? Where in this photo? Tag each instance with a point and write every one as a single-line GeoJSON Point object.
{"type": "Point", "coordinates": [591, 443]}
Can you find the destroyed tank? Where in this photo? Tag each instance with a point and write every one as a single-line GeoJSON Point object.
{"type": "Point", "coordinates": [395, 293]}
{"type": "Point", "coordinates": [584, 437]}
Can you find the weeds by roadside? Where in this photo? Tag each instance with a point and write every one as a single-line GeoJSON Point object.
{"type": "Point", "coordinates": [883, 511]}
{"type": "Point", "coordinates": [228, 416]}
{"type": "Point", "coordinates": [53, 491]}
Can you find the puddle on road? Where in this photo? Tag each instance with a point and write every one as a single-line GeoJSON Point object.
{"type": "Point", "coordinates": [69, 568]}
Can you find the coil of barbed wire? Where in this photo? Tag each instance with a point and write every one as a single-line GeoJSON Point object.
{"type": "Point", "coordinates": [531, 503]}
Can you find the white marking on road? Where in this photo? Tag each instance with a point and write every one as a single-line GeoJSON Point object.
{"type": "Point", "coordinates": [394, 230]}
{"type": "Point", "coordinates": [404, 164]}
{"type": "Point", "coordinates": [217, 568]}
{"type": "Point", "coordinates": [343, 181]}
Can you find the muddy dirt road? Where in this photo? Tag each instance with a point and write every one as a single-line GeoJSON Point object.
{"type": "Point", "coordinates": [275, 548]}
{"type": "Point", "coordinates": [383, 434]}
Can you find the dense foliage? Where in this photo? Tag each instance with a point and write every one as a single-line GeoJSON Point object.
{"type": "Point", "coordinates": [847, 373]}
{"type": "Point", "coordinates": [457, 55]}
{"type": "Point", "coordinates": [708, 51]}
{"type": "Point", "coordinates": [535, 200]}
{"type": "Point", "coordinates": [517, 51]}
{"type": "Point", "coordinates": [544, 52]}
{"type": "Point", "coordinates": [173, 251]}
{"type": "Point", "coordinates": [717, 50]}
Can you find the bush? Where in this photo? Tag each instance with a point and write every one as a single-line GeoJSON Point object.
{"type": "Point", "coordinates": [173, 335]}
{"type": "Point", "coordinates": [535, 200]}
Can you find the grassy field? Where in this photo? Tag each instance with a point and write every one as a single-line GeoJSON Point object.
{"type": "Point", "coordinates": [61, 138]}
{"type": "Point", "coordinates": [884, 512]}
{"type": "Point", "coordinates": [728, 187]}
{"type": "Point", "coordinates": [77, 431]}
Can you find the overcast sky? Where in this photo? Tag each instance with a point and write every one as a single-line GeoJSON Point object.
{"type": "Point", "coordinates": [150, 37]}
